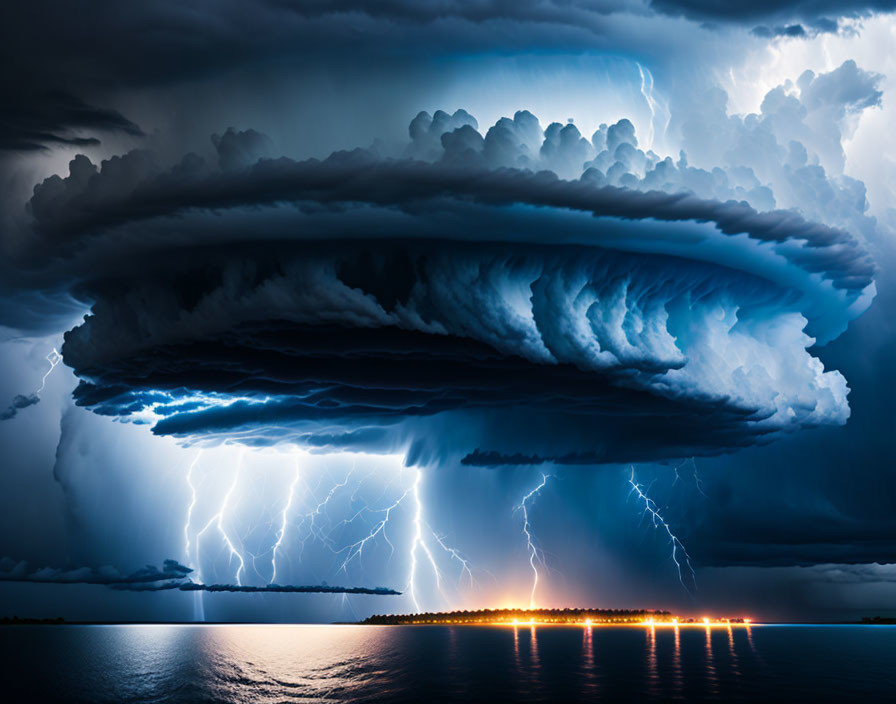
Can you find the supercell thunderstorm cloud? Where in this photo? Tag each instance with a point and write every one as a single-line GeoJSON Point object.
{"type": "Point", "coordinates": [395, 290]}
{"type": "Point", "coordinates": [452, 358]}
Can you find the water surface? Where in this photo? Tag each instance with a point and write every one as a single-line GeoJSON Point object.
{"type": "Point", "coordinates": [234, 663]}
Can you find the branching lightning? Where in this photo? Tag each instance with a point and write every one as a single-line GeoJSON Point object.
{"type": "Point", "coordinates": [218, 519]}
{"type": "Point", "coordinates": [651, 509]}
{"type": "Point", "coordinates": [421, 533]}
{"type": "Point", "coordinates": [534, 555]}
{"type": "Point", "coordinates": [303, 515]}
{"type": "Point", "coordinates": [355, 549]}
{"type": "Point", "coordinates": [697, 481]}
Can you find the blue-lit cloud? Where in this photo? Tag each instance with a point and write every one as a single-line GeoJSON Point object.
{"type": "Point", "coordinates": [464, 277]}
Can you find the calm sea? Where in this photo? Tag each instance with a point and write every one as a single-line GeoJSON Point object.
{"type": "Point", "coordinates": [443, 663]}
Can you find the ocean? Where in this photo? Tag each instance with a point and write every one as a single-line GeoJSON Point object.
{"type": "Point", "coordinates": [309, 663]}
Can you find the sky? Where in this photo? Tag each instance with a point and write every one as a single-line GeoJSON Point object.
{"type": "Point", "coordinates": [489, 304]}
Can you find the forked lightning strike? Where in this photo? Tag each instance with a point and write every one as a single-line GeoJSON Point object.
{"type": "Point", "coordinates": [651, 509]}
{"type": "Point", "coordinates": [530, 542]}
{"type": "Point", "coordinates": [218, 519]}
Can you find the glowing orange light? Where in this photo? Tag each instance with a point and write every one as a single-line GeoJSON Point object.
{"type": "Point", "coordinates": [705, 621]}
{"type": "Point", "coordinates": [674, 621]}
{"type": "Point", "coordinates": [747, 621]}
{"type": "Point", "coordinates": [649, 622]}
{"type": "Point", "coordinates": [531, 621]}
{"type": "Point", "coordinates": [516, 622]}
{"type": "Point", "coordinates": [588, 622]}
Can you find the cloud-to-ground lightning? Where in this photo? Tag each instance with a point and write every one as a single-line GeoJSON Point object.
{"type": "Point", "coordinates": [191, 506]}
{"type": "Point", "coordinates": [284, 517]}
{"type": "Point", "coordinates": [399, 521]}
{"type": "Point", "coordinates": [419, 546]}
{"type": "Point", "coordinates": [651, 509]}
{"type": "Point", "coordinates": [218, 519]}
{"type": "Point", "coordinates": [530, 542]}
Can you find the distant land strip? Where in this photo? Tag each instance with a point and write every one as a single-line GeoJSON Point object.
{"type": "Point", "coordinates": [524, 616]}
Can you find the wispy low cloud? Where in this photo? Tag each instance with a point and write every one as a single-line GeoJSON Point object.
{"type": "Point", "coordinates": [266, 589]}
{"type": "Point", "coordinates": [172, 576]}
{"type": "Point", "coordinates": [18, 402]}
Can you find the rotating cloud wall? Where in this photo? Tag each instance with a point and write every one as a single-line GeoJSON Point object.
{"type": "Point", "coordinates": [359, 300]}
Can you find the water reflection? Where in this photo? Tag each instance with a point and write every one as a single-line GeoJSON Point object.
{"type": "Point", "coordinates": [712, 679]}
{"type": "Point", "coordinates": [677, 680]}
{"type": "Point", "coordinates": [534, 662]}
{"type": "Point", "coordinates": [749, 630]}
{"type": "Point", "coordinates": [183, 665]}
{"type": "Point", "coordinates": [589, 673]}
{"type": "Point", "coordinates": [653, 678]}
{"type": "Point", "coordinates": [732, 653]}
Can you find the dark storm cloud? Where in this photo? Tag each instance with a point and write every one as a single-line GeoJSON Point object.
{"type": "Point", "coordinates": [266, 589]}
{"type": "Point", "coordinates": [32, 120]}
{"type": "Point", "coordinates": [11, 571]}
{"type": "Point", "coordinates": [355, 299]}
{"type": "Point", "coordinates": [166, 41]}
{"type": "Point", "coordinates": [749, 11]}
{"type": "Point", "coordinates": [131, 188]}
{"type": "Point", "coordinates": [172, 576]}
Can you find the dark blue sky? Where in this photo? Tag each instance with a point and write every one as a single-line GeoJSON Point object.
{"type": "Point", "coordinates": [335, 288]}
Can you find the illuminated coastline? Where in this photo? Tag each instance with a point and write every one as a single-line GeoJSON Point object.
{"type": "Point", "coordinates": [552, 617]}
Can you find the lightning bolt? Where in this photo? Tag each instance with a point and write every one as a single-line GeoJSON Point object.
{"type": "Point", "coordinates": [465, 568]}
{"type": "Point", "coordinates": [54, 358]}
{"type": "Point", "coordinates": [191, 506]}
{"type": "Point", "coordinates": [283, 519]}
{"type": "Point", "coordinates": [198, 606]}
{"type": "Point", "coordinates": [419, 542]}
{"type": "Point", "coordinates": [419, 548]}
{"type": "Point", "coordinates": [355, 549]}
{"type": "Point", "coordinates": [697, 481]}
{"type": "Point", "coordinates": [218, 519]}
{"type": "Point", "coordinates": [652, 104]}
{"type": "Point", "coordinates": [651, 509]}
{"type": "Point", "coordinates": [311, 516]}
{"type": "Point", "coordinates": [21, 401]}
{"type": "Point", "coordinates": [530, 543]}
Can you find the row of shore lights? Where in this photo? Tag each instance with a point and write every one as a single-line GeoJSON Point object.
{"type": "Point", "coordinates": [648, 622]}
